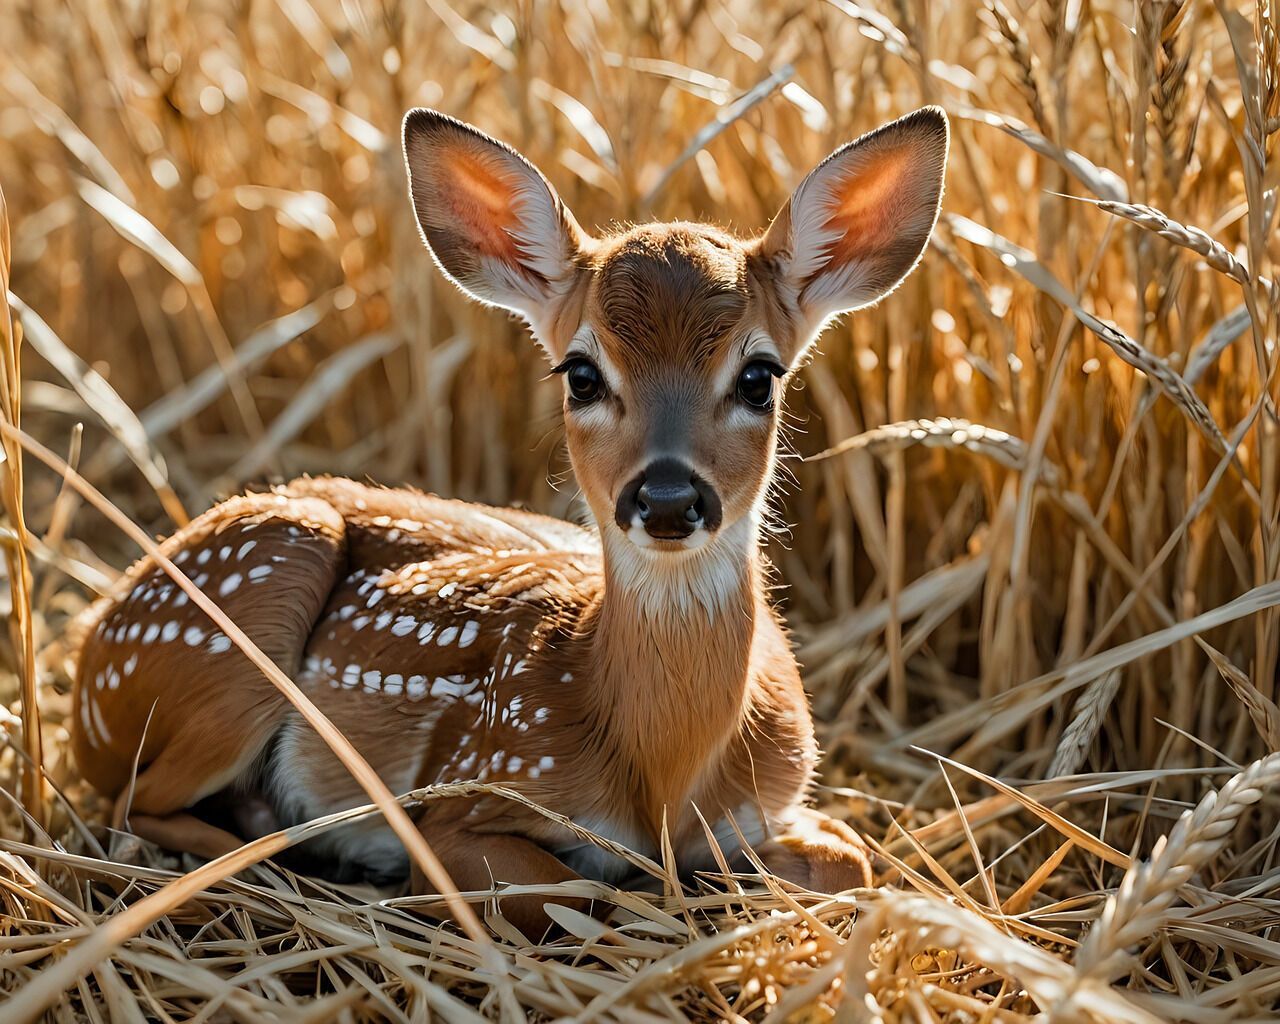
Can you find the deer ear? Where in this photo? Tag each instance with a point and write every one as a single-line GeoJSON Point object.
{"type": "Point", "coordinates": [859, 222]}
{"type": "Point", "coordinates": [491, 220]}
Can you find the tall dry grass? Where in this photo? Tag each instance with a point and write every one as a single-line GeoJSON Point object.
{"type": "Point", "coordinates": [1032, 575]}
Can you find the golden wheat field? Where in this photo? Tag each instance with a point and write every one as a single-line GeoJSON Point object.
{"type": "Point", "coordinates": [1028, 531]}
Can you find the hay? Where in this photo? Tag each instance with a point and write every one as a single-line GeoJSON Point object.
{"type": "Point", "coordinates": [1037, 610]}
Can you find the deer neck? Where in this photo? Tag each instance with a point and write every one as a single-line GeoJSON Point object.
{"type": "Point", "coordinates": [672, 650]}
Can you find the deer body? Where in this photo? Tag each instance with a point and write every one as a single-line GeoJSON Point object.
{"type": "Point", "coordinates": [451, 642]}
{"type": "Point", "coordinates": [634, 677]}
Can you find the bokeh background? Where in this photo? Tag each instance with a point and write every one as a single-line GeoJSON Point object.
{"type": "Point", "coordinates": [1060, 432]}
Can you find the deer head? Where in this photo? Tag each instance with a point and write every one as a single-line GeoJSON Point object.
{"type": "Point", "coordinates": [675, 341]}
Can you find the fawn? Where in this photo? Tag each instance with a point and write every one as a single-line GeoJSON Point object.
{"type": "Point", "coordinates": [633, 676]}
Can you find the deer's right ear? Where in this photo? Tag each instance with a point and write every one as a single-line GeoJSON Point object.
{"type": "Point", "coordinates": [492, 221]}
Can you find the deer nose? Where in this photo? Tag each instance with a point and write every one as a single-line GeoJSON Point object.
{"type": "Point", "coordinates": [670, 500]}
{"type": "Point", "coordinates": [669, 508]}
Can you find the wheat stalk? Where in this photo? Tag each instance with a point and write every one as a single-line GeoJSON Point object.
{"type": "Point", "coordinates": [1213, 252]}
{"type": "Point", "coordinates": [943, 432]}
{"type": "Point", "coordinates": [1140, 905]}
{"type": "Point", "coordinates": [1014, 36]}
{"type": "Point", "coordinates": [1077, 740]}
{"type": "Point", "coordinates": [916, 923]}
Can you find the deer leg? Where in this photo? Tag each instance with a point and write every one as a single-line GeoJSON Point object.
{"type": "Point", "coordinates": [155, 806]}
{"type": "Point", "coordinates": [184, 833]}
{"type": "Point", "coordinates": [820, 853]}
{"type": "Point", "coordinates": [476, 861]}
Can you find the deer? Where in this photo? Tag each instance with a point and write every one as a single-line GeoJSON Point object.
{"type": "Point", "coordinates": [631, 675]}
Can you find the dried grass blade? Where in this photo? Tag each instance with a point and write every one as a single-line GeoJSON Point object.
{"type": "Point", "coordinates": [330, 378]}
{"type": "Point", "coordinates": [53, 120]}
{"type": "Point", "coordinates": [21, 627]}
{"type": "Point", "coordinates": [1262, 709]}
{"type": "Point", "coordinates": [136, 228]}
{"type": "Point", "coordinates": [725, 117]}
{"type": "Point", "coordinates": [1083, 839]}
{"type": "Point", "coordinates": [1101, 182]}
{"type": "Point", "coordinates": [961, 577]}
{"type": "Point", "coordinates": [1021, 899]}
{"type": "Point", "coordinates": [1221, 334]}
{"type": "Point", "coordinates": [1003, 713]}
{"type": "Point", "coordinates": [163, 415]}
{"type": "Point", "coordinates": [103, 401]}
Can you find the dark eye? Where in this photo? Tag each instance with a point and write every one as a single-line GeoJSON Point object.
{"type": "Point", "coordinates": [755, 385]}
{"type": "Point", "coordinates": [585, 382]}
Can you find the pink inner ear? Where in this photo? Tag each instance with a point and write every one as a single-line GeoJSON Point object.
{"type": "Point", "coordinates": [865, 204]}
{"type": "Point", "coordinates": [479, 199]}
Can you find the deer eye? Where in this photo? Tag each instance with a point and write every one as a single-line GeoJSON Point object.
{"type": "Point", "coordinates": [585, 383]}
{"type": "Point", "coordinates": [755, 385]}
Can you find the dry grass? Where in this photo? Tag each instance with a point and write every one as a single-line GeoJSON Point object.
{"type": "Point", "coordinates": [1059, 556]}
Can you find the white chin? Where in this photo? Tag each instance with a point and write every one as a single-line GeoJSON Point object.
{"type": "Point", "coordinates": [637, 535]}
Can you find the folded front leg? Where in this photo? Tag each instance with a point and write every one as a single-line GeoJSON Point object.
{"type": "Point", "coordinates": [820, 853]}
{"type": "Point", "coordinates": [477, 861]}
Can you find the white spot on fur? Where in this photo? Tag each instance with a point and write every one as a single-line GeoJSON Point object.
{"type": "Point", "coordinates": [452, 686]}
{"type": "Point", "coordinates": [416, 687]}
{"type": "Point", "coordinates": [99, 726]}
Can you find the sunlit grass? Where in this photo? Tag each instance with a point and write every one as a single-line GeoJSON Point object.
{"type": "Point", "coordinates": [1053, 472]}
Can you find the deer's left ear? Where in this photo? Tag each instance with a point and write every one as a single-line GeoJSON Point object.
{"type": "Point", "coordinates": [859, 222]}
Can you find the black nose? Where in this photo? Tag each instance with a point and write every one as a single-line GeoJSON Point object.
{"type": "Point", "coordinates": [670, 500]}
